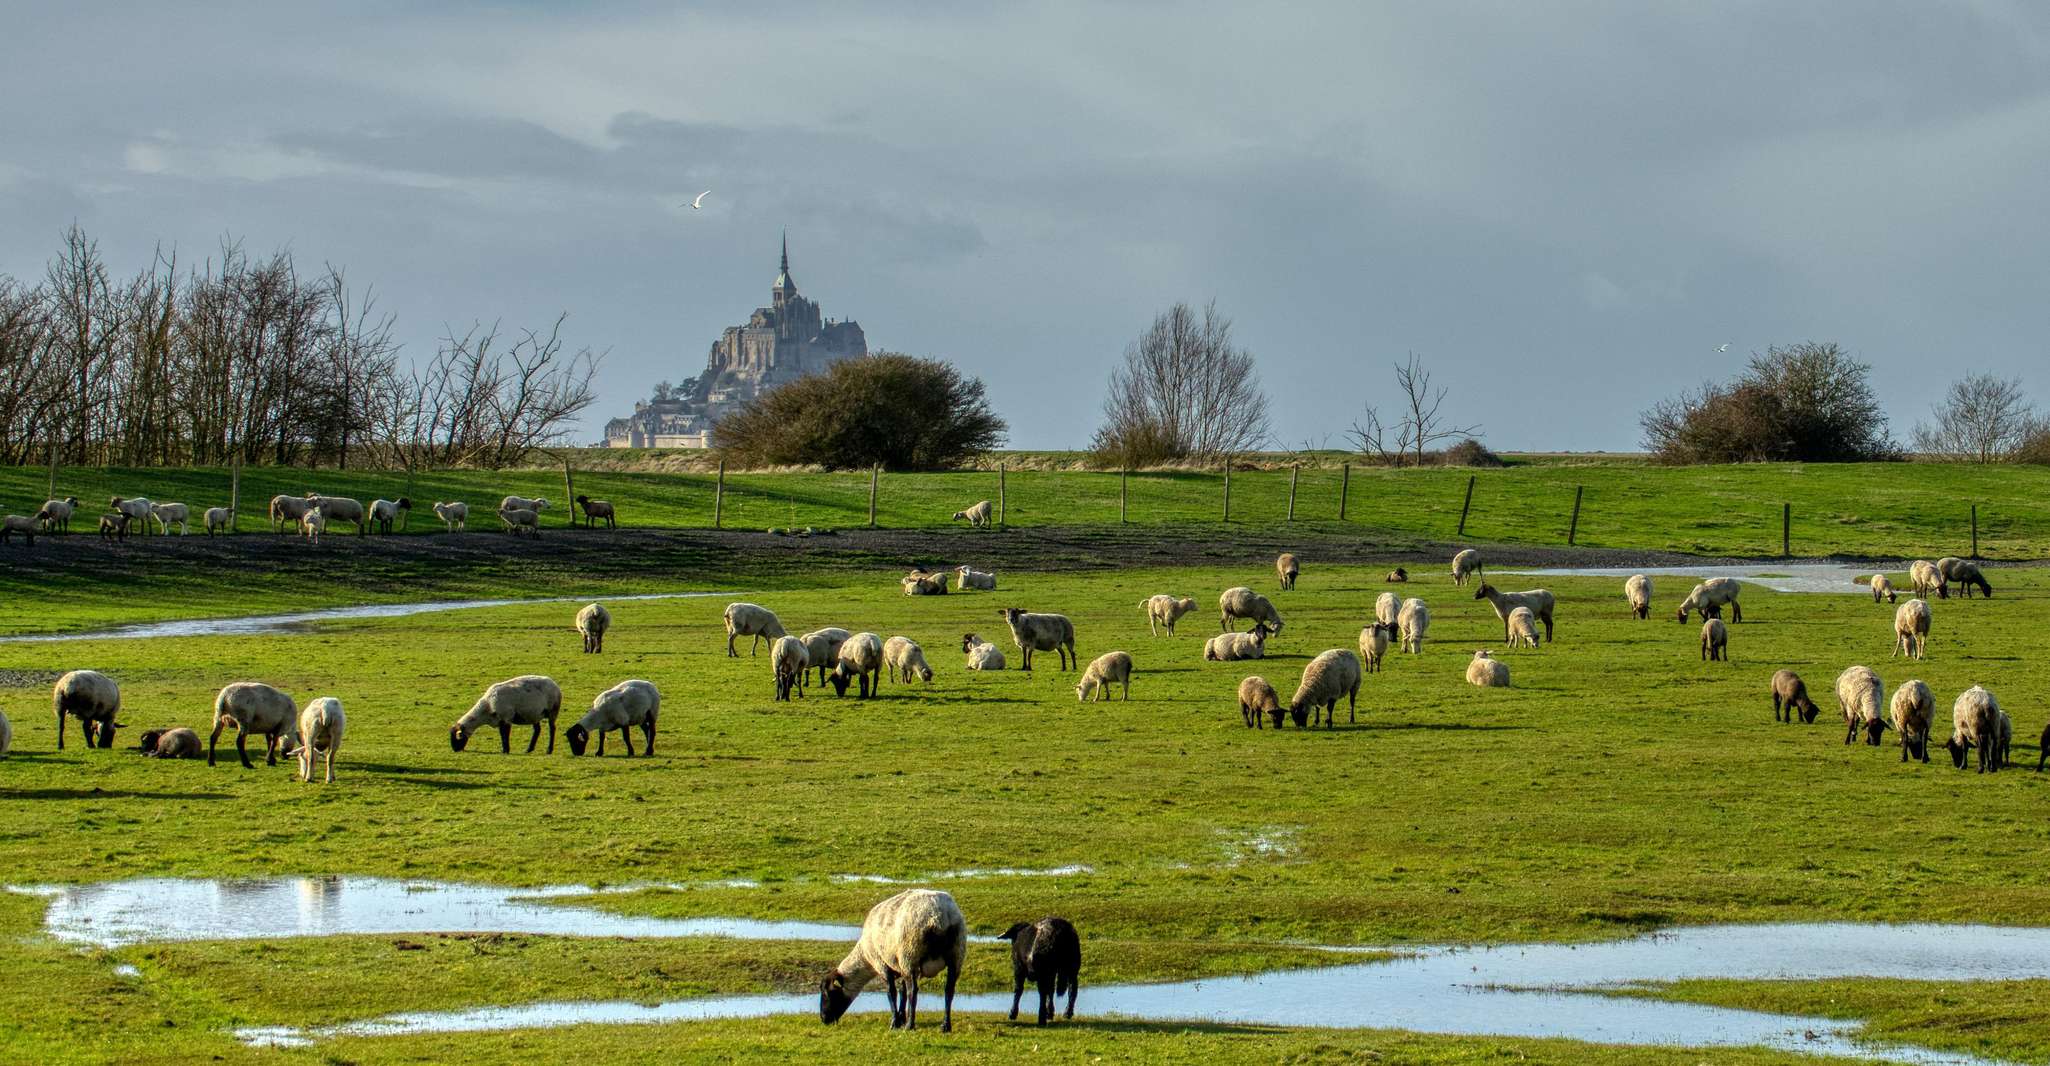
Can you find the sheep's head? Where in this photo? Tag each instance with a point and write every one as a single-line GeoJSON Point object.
{"type": "Point", "coordinates": [1261, 631]}
{"type": "Point", "coordinates": [1300, 712]}
{"type": "Point", "coordinates": [1683, 614]}
{"type": "Point", "coordinates": [1873, 728]}
{"type": "Point", "coordinates": [1957, 749]}
{"type": "Point", "coordinates": [1486, 590]}
{"type": "Point", "coordinates": [578, 738]}
{"type": "Point", "coordinates": [1011, 614]}
{"type": "Point", "coordinates": [969, 641]}
{"type": "Point", "coordinates": [458, 737]}
{"type": "Point", "coordinates": [834, 997]}
{"type": "Point", "coordinates": [840, 679]}
{"type": "Point", "coordinates": [1808, 711]}
{"type": "Point", "coordinates": [925, 673]}
{"type": "Point", "coordinates": [147, 743]}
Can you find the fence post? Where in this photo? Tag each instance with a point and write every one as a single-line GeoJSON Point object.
{"type": "Point", "coordinates": [1786, 531]}
{"type": "Point", "coordinates": [1468, 505]}
{"type": "Point", "coordinates": [569, 491]}
{"type": "Point", "coordinates": [1295, 471]}
{"type": "Point", "coordinates": [53, 471]}
{"type": "Point", "coordinates": [1227, 490]}
{"type": "Point", "coordinates": [875, 474]}
{"type": "Point", "coordinates": [719, 497]}
{"type": "Point", "coordinates": [234, 494]}
{"type": "Point", "coordinates": [1123, 476]}
{"type": "Point", "coordinates": [1573, 530]}
{"type": "Point", "coordinates": [1975, 531]}
{"type": "Point", "coordinates": [1344, 487]}
{"type": "Point", "coordinates": [1001, 509]}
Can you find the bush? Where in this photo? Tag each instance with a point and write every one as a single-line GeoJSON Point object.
{"type": "Point", "coordinates": [1470, 452]}
{"type": "Point", "coordinates": [1806, 403]}
{"type": "Point", "coordinates": [897, 411]}
{"type": "Point", "coordinates": [2034, 448]}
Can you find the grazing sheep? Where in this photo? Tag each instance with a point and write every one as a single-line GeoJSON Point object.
{"type": "Point", "coordinates": [312, 524]}
{"type": "Point", "coordinates": [7, 735]}
{"type": "Point", "coordinates": [1414, 620]}
{"type": "Point", "coordinates": [2006, 737]}
{"type": "Point", "coordinates": [1242, 602]}
{"type": "Point", "coordinates": [521, 519]}
{"type": "Point", "coordinates": [1882, 589]}
{"type": "Point", "coordinates": [522, 503]}
{"type": "Point", "coordinates": [1638, 591]}
{"type": "Point", "coordinates": [453, 516]}
{"type": "Point", "coordinates": [1257, 698]}
{"type": "Point", "coordinates": [1330, 675]}
{"type": "Point", "coordinates": [218, 519]}
{"type": "Point", "coordinates": [1974, 723]}
{"type": "Point", "coordinates": [1863, 699]}
{"type": "Point", "coordinates": [1522, 628]}
{"type": "Point", "coordinates": [169, 514]}
{"type": "Point", "coordinates": [982, 655]}
{"type": "Point", "coordinates": [1041, 632]}
{"type": "Point", "coordinates": [342, 509]}
{"type": "Point", "coordinates": [1387, 607]}
{"type": "Point", "coordinates": [903, 657]}
{"type": "Point", "coordinates": [912, 935]}
{"type": "Point", "coordinates": [175, 743]}
{"type": "Point", "coordinates": [1112, 667]}
{"type": "Point", "coordinates": [1927, 577]}
{"type": "Point", "coordinates": [253, 707]}
{"type": "Point", "coordinates": [1165, 610]}
{"type": "Point", "coordinates": [1048, 953]}
{"type": "Point", "coordinates": [1715, 640]}
{"type": "Point", "coordinates": [925, 583]}
{"type": "Point", "coordinates": [978, 515]}
{"type": "Point", "coordinates": [749, 620]}
{"type": "Point", "coordinates": [385, 512]}
{"type": "Point", "coordinates": [1790, 695]}
{"type": "Point", "coordinates": [55, 515]}
{"type": "Point", "coordinates": [1539, 601]}
{"type": "Point", "coordinates": [621, 707]}
{"type": "Point", "coordinates": [1231, 647]}
{"type": "Point", "coordinates": [790, 661]}
{"type": "Point", "coordinates": [597, 510]}
{"type": "Point", "coordinates": [94, 699]}
{"type": "Point", "coordinates": [13, 524]}
{"type": "Point", "coordinates": [320, 736]}
{"type": "Point", "coordinates": [592, 622]}
{"type": "Point", "coordinates": [113, 527]}
{"type": "Point", "coordinates": [529, 699]}
{"type": "Point", "coordinates": [1913, 711]}
{"type": "Point", "coordinates": [1486, 671]}
{"type": "Point", "coordinates": [1711, 596]}
{"type": "Point", "coordinates": [1911, 629]}
{"type": "Point", "coordinates": [860, 660]}
{"type": "Point", "coordinates": [1396, 576]}
{"type": "Point", "coordinates": [137, 510]}
{"type": "Point", "coordinates": [287, 511]}
{"type": "Point", "coordinates": [822, 648]}
{"type": "Point", "coordinates": [1962, 572]}
{"type": "Point", "coordinates": [1374, 641]}
{"type": "Point", "coordinates": [1286, 568]}
{"type": "Point", "coordinates": [1465, 564]}
{"type": "Point", "coordinates": [967, 577]}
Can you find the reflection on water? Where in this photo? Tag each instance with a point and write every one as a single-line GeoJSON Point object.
{"type": "Point", "coordinates": [1779, 577]}
{"type": "Point", "coordinates": [285, 623]}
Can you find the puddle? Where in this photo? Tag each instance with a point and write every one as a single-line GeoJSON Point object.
{"type": "Point", "coordinates": [1533, 990]}
{"type": "Point", "coordinates": [1779, 577]}
{"type": "Point", "coordinates": [286, 623]}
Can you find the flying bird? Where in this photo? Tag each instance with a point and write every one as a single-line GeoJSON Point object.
{"type": "Point", "coordinates": [1720, 348]}
{"type": "Point", "coordinates": [699, 201]}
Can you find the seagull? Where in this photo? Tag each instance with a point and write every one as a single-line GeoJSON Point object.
{"type": "Point", "coordinates": [700, 202]}
{"type": "Point", "coordinates": [1720, 348]}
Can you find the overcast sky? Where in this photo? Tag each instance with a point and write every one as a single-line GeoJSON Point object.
{"type": "Point", "coordinates": [1565, 208]}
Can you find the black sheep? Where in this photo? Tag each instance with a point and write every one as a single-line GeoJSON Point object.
{"type": "Point", "coordinates": [1049, 952]}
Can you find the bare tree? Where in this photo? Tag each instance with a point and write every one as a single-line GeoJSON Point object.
{"type": "Point", "coordinates": [1417, 423]}
{"type": "Point", "coordinates": [1982, 417]}
{"type": "Point", "coordinates": [1185, 391]}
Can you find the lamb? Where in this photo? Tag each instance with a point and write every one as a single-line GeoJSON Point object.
{"type": "Point", "coordinates": [1374, 641]}
{"type": "Point", "coordinates": [453, 516]}
{"type": "Point", "coordinates": [320, 736]}
{"type": "Point", "coordinates": [94, 699]}
{"type": "Point", "coordinates": [1112, 667]}
{"type": "Point", "coordinates": [1330, 675]}
{"type": "Point", "coordinates": [1789, 695]}
{"type": "Point", "coordinates": [982, 655]}
{"type": "Point", "coordinates": [912, 935]}
{"type": "Point", "coordinates": [1538, 600]}
{"type": "Point", "coordinates": [1638, 591]}
{"type": "Point", "coordinates": [1242, 602]}
{"type": "Point", "coordinates": [1913, 711]}
{"type": "Point", "coordinates": [1387, 606]}
{"type": "Point", "coordinates": [925, 583]}
{"type": "Point", "coordinates": [1165, 610]}
{"type": "Point", "coordinates": [55, 515]}
{"type": "Point", "coordinates": [1882, 589]}
{"type": "Point", "coordinates": [218, 519]}
{"type": "Point", "coordinates": [1042, 632]}
{"type": "Point", "coordinates": [966, 577]}
{"type": "Point", "coordinates": [1927, 577]}
{"type": "Point", "coordinates": [178, 743]}
{"type": "Point", "coordinates": [522, 503]}
{"type": "Point", "coordinates": [1957, 571]}
{"type": "Point", "coordinates": [1486, 671]}
{"type": "Point", "coordinates": [903, 657]}
{"type": "Point", "coordinates": [137, 510]}
{"type": "Point", "coordinates": [621, 707]}
{"type": "Point", "coordinates": [860, 659]}
{"type": "Point", "coordinates": [1396, 576]}
{"type": "Point", "coordinates": [253, 707]}
{"type": "Point", "coordinates": [1048, 953]}
{"type": "Point", "coordinates": [13, 524]}
{"type": "Point", "coordinates": [287, 510]}
{"type": "Point", "coordinates": [1258, 698]}
{"type": "Point", "coordinates": [521, 519]}
{"type": "Point", "coordinates": [1465, 564]}
{"type": "Point", "coordinates": [1286, 568]}
{"type": "Point", "coordinates": [1711, 596]}
{"type": "Point", "coordinates": [822, 648]}
{"type": "Point", "coordinates": [592, 622]}
{"type": "Point", "coordinates": [1522, 628]}
{"type": "Point", "coordinates": [1974, 723]}
{"type": "Point", "coordinates": [341, 509]}
{"type": "Point", "coordinates": [596, 511]}
{"type": "Point", "coordinates": [1863, 699]}
{"type": "Point", "coordinates": [113, 527]}
{"type": "Point", "coordinates": [1911, 629]}
{"type": "Point", "coordinates": [1415, 622]}
{"type": "Point", "coordinates": [529, 699]}
{"type": "Point", "coordinates": [1231, 647]}
{"type": "Point", "coordinates": [312, 524]}
{"type": "Point", "coordinates": [790, 661]}
{"type": "Point", "coordinates": [168, 514]}
{"type": "Point", "coordinates": [749, 620]}
{"type": "Point", "coordinates": [1715, 640]}
{"type": "Point", "coordinates": [978, 515]}
{"type": "Point", "coordinates": [385, 512]}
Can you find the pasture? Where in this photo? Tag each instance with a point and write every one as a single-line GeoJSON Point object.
{"type": "Point", "coordinates": [1620, 785]}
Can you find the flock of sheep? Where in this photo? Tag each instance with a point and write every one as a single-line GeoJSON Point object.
{"type": "Point", "coordinates": [310, 515]}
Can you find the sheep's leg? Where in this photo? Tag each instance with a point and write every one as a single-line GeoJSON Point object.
{"type": "Point", "coordinates": [601, 741]}
{"type": "Point", "coordinates": [210, 741]}
{"type": "Point", "coordinates": [107, 732]}
{"type": "Point", "coordinates": [1074, 985]}
{"type": "Point", "coordinates": [1547, 616]}
{"type": "Point", "coordinates": [1851, 733]}
{"type": "Point", "coordinates": [505, 738]}
{"type": "Point", "coordinates": [947, 1005]}
{"type": "Point", "coordinates": [911, 998]}
{"type": "Point", "coordinates": [626, 736]}
{"type": "Point", "coordinates": [60, 732]}
{"type": "Point", "coordinates": [532, 740]}
{"type": "Point", "coordinates": [648, 734]}
{"type": "Point", "coordinates": [242, 747]}
{"type": "Point", "coordinates": [896, 1007]}
{"type": "Point", "coordinates": [551, 735]}
{"type": "Point", "coordinates": [270, 749]}
{"type": "Point", "coordinates": [730, 653]}
{"type": "Point", "coordinates": [1046, 999]}
{"type": "Point", "coordinates": [1017, 990]}
{"type": "Point", "coordinates": [331, 760]}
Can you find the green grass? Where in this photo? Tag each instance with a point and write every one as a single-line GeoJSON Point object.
{"type": "Point", "coordinates": [2002, 1020]}
{"type": "Point", "coordinates": [1620, 786]}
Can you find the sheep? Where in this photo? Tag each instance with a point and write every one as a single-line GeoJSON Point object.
{"type": "Point", "coordinates": [1711, 596]}
{"type": "Point", "coordinates": [790, 661]}
{"type": "Point", "coordinates": [1882, 589]}
{"type": "Point", "coordinates": [621, 707]}
{"type": "Point", "coordinates": [1414, 621]}
{"type": "Point", "coordinates": [517, 520]}
{"type": "Point", "coordinates": [1912, 711]}
{"type": "Point", "coordinates": [175, 743]}
{"type": "Point", "coordinates": [1286, 568]}
{"type": "Point", "coordinates": [1330, 675]}
{"type": "Point", "coordinates": [454, 515]}
{"type": "Point", "coordinates": [169, 514]}
{"type": "Point", "coordinates": [312, 524]}
{"type": "Point", "coordinates": [7, 734]}
{"type": "Point", "coordinates": [1637, 590]}
{"type": "Point", "coordinates": [912, 935]}
{"type": "Point", "coordinates": [1231, 647]}
{"type": "Point", "coordinates": [1374, 641]}
{"type": "Point", "coordinates": [749, 620]}
{"type": "Point", "coordinates": [967, 577]}
{"type": "Point", "coordinates": [1974, 723]}
{"type": "Point", "coordinates": [1715, 640]}
{"type": "Point", "coordinates": [1911, 629]}
{"type": "Point", "coordinates": [320, 736]}
{"type": "Point", "coordinates": [342, 509]}
{"type": "Point", "coordinates": [1538, 600]}
{"type": "Point", "coordinates": [1789, 696]}
{"type": "Point", "coordinates": [1048, 953]}
{"type": "Point", "coordinates": [253, 707]}
{"type": "Point", "coordinates": [1927, 577]}
{"type": "Point", "coordinates": [903, 657]}
{"type": "Point", "coordinates": [982, 655]}
{"type": "Point", "coordinates": [1165, 610]}
{"type": "Point", "coordinates": [977, 516]}
{"type": "Point", "coordinates": [1041, 632]}
{"type": "Point", "coordinates": [113, 527]}
{"type": "Point", "coordinates": [13, 524]}
{"type": "Point", "coordinates": [2042, 746]}
{"type": "Point", "coordinates": [1258, 698]}
{"type": "Point", "coordinates": [592, 622]}
{"type": "Point", "coordinates": [822, 648]}
{"type": "Point", "coordinates": [522, 503]}
{"type": "Point", "coordinates": [1862, 697]}
{"type": "Point", "coordinates": [1387, 606]}
{"type": "Point", "coordinates": [2000, 760]}
{"type": "Point", "coordinates": [529, 699]}
{"type": "Point", "coordinates": [137, 509]}
{"type": "Point", "coordinates": [218, 519]}
{"type": "Point", "coordinates": [1522, 628]}
{"type": "Point", "coordinates": [287, 510]}
{"type": "Point", "coordinates": [55, 515]}
{"type": "Point", "coordinates": [860, 659]}
{"type": "Point", "coordinates": [1465, 564]}
{"type": "Point", "coordinates": [94, 699]}
{"type": "Point", "coordinates": [1112, 667]}
{"type": "Point", "coordinates": [385, 512]}
{"type": "Point", "coordinates": [925, 583]}
{"type": "Point", "coordinates": [1242, 602]}
{"type": "Point", "coordinates": [1486, 671]}
{"type": "Point", "coordinates": [595, 510]}
{"type": "Point", "coordinates": [1396, 576]}
{"type": "Point", "coordinates": [1958, 571]}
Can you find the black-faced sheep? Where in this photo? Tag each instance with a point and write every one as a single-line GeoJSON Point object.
{"type": "Point", "coordinates": [253, 707]}
{"type": "Point", "coordinates": [925, 583]}
{"type": "Point", "coordinates": [319, 737]}
{"type": "Point", "coordinates": [521, 520]}
{"type": "Point", "coordinates": [1286, 568]}
{"type": "Point", "coordinates": [976, 515]}
{"type": "Point", "coordinates": [1165, 610]}
{"type": "Point", "coordinates": [1387, 606]}
{"type": "Point", "coordinates": [1048, 953]}
{"type": "Point", "coordinates": [1041, 632]}
{"type": "Point", "coordinates": [860, 660]}
{"type": "Point", "coordinates": [822, 649]}
{"type": "Point", "coordinates": [1486, 671]}
{"type": "Point", "coordinates": [1257, 700]}
{"type": "Point", "coordinates": [94, 699]}
{"type": "Point", "coordinates": [1715, 641]}
{"type": "Point", "coordinates": [55, 515]}
{"type": "Point", "coordinates": [592, 622]}
{"type": "Point", "coordinates": [1927, 577]}
{"type": "Point", "coordinates": [536, 504]}
{"type": "Point", "coordinates": [1913, 712]}
{"type": "Point", "coordinates": [287, 511]}
{"type": "Point", "coordinates": [1882, 588]}
{"type": "Point", "coordinates": [1396, 576]}
{"type": "Point", "coordinates": [1522, 628]}
{"type": "Point", "coordinates": [790, 661]}
{"type": "Point", "coordinates": [1711, 596]}
{"type": "Point", "coordinates": [1242, 602]}
{"type": "Point", "coordinates": [967, 577]}
{"type": "Point", "coordinates": [1964, 573]}
{"type": "Point", "coordinates": [1974, 723]}
{"type": "Point", "coordinates": [1790, 696]}
{"type": "Point", "coordinates": [1330, 675]}
{"type": "Point", "coordinates": [750, 620]}
{"type": "Point", "coordinates": [529, 700]}
{"type": "Point", "coordinates": [113, 527]}
{"type": "Point", "coordinates": [218, 519]}
{"type": "Point", "coordinates": [1911, 629]}
{"type": "Point", "coordinates": [1110, 668]}
{"type": "Point", "coordinates": [1637, 591]}
{"type": "Point", "coordinates": [903, 658]}
{"type": "Point", "coordinates": [910, 936]}
{"type": "Point", "coordinates": [1465, 564]}
{"type": "Point", "coordinates": [596, 511]}
{"type": "Point", "coordinates": [175, 743]}
{"type": "Point", "coordinates": [1540, 602]}
{"type": "Point", "coordinates": [1863, 699]}
{"type": "Point", "coordinates": [385, 513]}
{"type": "Point", "coordinates": [2042, 749]}
{"type": "Point", "coordinates": [621, 707]}
{"type": "Point", "coordinates": [1374, 641]}
{"type": "Point", "coordinates": [341, 509]}
{"type": "Point", "coordinates": [982, 655]}
{"type": "Point", "coordinates": [1232, 647]}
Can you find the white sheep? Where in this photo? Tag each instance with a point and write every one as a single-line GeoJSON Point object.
{"type": "Point", "coordinates": [1963, 573]}
{"type": "Point", "coordinates": [218, 519]}
{"type": "Point", "coordinates": [1882, 589]}
{"type": "Point", "coordinates": [1540, 602]}
{"type": "Point", "coordinates": [903, 657]}
{"type": "Point", "coordinates": [1522, 628]}
{"type": "Point", "coordinates": [177, 743]}
{"type": "Point", "coordinates": [383, 513]}
{"type": "Point", "coordinates": [592, 622]}
{"type": "Point", "coordinates": [1911, 629]}
{"type": "Point", "coordinates": [1330, 675]}
{"type": "Point", "coordinates": [521, 503]}
{"type": "Point", "coordinates": [521, 519]}
{"type": "Point", "coordinates": [1164, 610]}
{"type": "Point", "coordinates": [454, 515]}
{"type": "Point", "coordinates": [977, 515]}
{"type": "Point", "coordinates": [253, 707]}
{"type": "Point", "coordinates": [1286, 568]}
{"type": "Point", "coordinates": [1258, 701]}
{"type": "Point", "coordinates": [529, 699]}
{"type": "Point", "coordinates": [1711, 596]}
{"type": "Point", "coordinates": [169, 514]}
{"type": "Point", "coordinates": [11, 525]}
{"type": "Point", "coordinates": [342, 509]}
{"type": "Point", "coordinates": [1387, 608]}
{"type": "Point", "coordinates": [1975, 723]}
{"type": "Point", "coordinates": [1715, 640]}
{"type": "Point", "coordinates": [55, 515]}
{"type": "Point", "coordinates": [621, 707]}
{"type": "Point", "coordinates": [138, 510]}
{"type": "Point", "coordinates": [1242, 602]}
{"type": "Point", "coordinates": [1637, 590]}
{"type": "Point", "coordinates": [320, 736]}
{"type": "Point", "coordinates": [860, 661]}
{"type": "Point", "coordinates": [982, 655]}
{"type": "Point", "coordinates": [94, 699]}
{"type": "Point", "coordinates": [1112, 667]}
{"type": "Point", "coordinates": [925, 583]}
{"type": "Point", "coordinates": [790, 661]}
{"type": "Point", "coordinates": [1041, 632]}
{"type": "Point", "coordinates": [1414, 620]}
{"type": "Point", "coordinates": [1913, 712]}
{"type": "Point", "coordinates": [312, 524]}
{"type": "Point", "coordinates": [910, 936]}
{"type": "Point", "coordinates": [1374, 641]}
{"type": "Point", "coordinates": [967, 577]}
{"type": "Point", "coordinates": [2006, 740]}
{"type": "Point", "coordinates": [1232, 647]}
{"type": "Point", "coordinates": [750, 620]}
{"type": "Point", "coordinates": [1467, 562]}
{"type": "Point", "coordinates": [1486, 671]}
{"type": "Point", "coordinates": [1927, 577]}
{"type": "Point", "coordinates": [1863, 700]}
{"type": "Point", "coordinates": [822, 648]}
{"type": "Point", "coordinates": [287, 511]}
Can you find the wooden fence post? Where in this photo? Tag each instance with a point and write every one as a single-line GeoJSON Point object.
{"type": "Point", "coordinates": [53, 471]}
{"type": "Point", "coordinates": [234, 494]}
{"type": "Point", "coordinates": [1467, 506]}
{"type": "Point", "coordinates": [1786, 531]}
{"type": "Point", "coordinates": [1123, 477]}
{"type": "Point", "coordinates": [1975, 531]}
{"type": "Point", "coordinates": [569, 490]}
{"type": "Point", "coordinates": [1344, 487]}
{"type": "Point", "coordinates": [1227, 490]}
{"type": "Point", "coordinates": [1295, 471]}
{"type": "Point", "coordinates": [1002, 510]}
{"type": "Point", "coordinates": [719, 497]}
{"type": "Point", "coordinates": [875, 474]}
{"type": "Point", "coordinates": [1573, 530]}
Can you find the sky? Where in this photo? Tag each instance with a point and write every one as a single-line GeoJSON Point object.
{"type": "Point", "coordinates": [1563, 208]}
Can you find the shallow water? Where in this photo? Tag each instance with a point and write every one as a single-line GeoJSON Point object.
{"type": "Point", "coordinates": [1779, 577]}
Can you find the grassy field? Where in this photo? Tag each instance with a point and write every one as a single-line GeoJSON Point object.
{"type": "Point", "coordinates": [1621, 785]}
